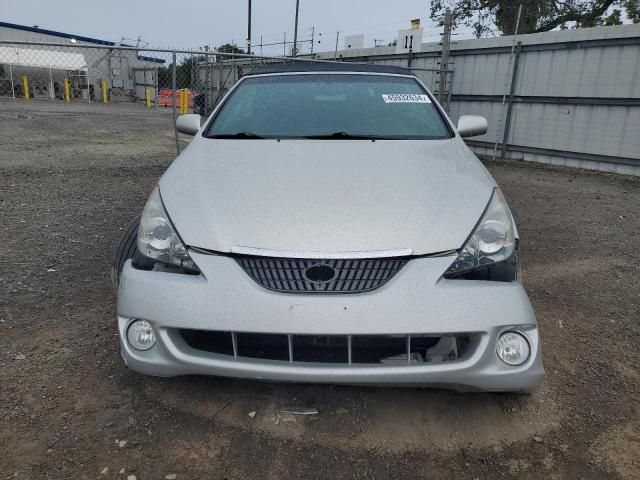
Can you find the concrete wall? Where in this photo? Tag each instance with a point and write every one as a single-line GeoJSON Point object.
{"type": "Point", "coordinates": [576, 98]}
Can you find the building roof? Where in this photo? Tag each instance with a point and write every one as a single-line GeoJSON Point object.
{"type": "Point", "coordinates": [54, 33]}
{"type": "Point", "coordinates": [27, 57]}
{"type": "Point", "coordinates": [302, 66]}
{"type": "Point", "coordinates": [80, 38]}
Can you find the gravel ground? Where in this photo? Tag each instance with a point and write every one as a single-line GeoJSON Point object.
{"type": "Point", "coordinates": [72, 176]}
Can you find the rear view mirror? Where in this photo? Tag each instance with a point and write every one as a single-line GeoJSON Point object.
{"type": "Point", "coordinates": [188, 124]}
{"type": "Point", "coordinates": [472, 126]}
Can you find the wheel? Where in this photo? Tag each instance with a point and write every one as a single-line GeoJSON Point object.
{"type": "Point", "coordinates": [125, 248]}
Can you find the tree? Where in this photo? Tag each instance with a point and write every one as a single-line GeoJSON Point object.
{"type": "Point", "coordinates": [536, 16]}
{"type": "Point", "coordinates": [186, 73]}
{"type": "Point", "coordinates": [230, 48]}
{"type": "Point", "coordinates": [164, 77]}
{"type": "Point", "coordinates": [632, 8]}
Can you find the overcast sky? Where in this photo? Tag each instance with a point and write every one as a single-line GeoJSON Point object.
{"type": "Point", "coordinates": [194, 23]}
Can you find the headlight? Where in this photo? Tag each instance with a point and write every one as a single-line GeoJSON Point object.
{"type": "Point", "coordinates": [492, 241]}
{"type": "Point", "coordinates": [157, 239]}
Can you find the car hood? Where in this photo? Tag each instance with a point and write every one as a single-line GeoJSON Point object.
{"type": "Point", "coordinates": [326, 196]}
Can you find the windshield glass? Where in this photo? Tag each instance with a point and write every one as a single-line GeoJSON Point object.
{"type": "Point", "coordinates": [339, 106]}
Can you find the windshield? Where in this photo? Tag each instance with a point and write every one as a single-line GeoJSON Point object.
{"type": "Point", "coordinates": [333, 106]}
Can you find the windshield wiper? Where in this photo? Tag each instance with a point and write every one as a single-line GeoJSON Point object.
{"type": "Point", "coordinates": [239, 135]}
{"type": "Point", "coordinates": [346, 136]}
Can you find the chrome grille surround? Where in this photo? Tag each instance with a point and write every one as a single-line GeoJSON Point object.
{"type": "Point", "coordinates": [351, 275]}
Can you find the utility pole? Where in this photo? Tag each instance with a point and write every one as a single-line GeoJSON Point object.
{"type": "Point", "coordinates": [513, 59]}
{"type": "Point", "coordinates": [444, 59]}
{"type": "Point", "coordinates": [284, 45]}
{"type": "Point", "coordinates": [249, 29]}
{"type": "Point", "coordinates": [335, 56]}
{"type": "Point", "coordinates": [295, 31]}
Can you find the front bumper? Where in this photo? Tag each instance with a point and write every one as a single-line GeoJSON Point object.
{"type": "Point", "coordinates": [416, 301]}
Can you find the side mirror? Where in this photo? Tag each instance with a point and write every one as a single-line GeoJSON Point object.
{"type": "Point", "coordinates": [472, 126]}
{"type": "Point", "coordinates": [188, 124]}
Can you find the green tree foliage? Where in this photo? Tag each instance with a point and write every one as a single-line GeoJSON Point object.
{"type": "Point", "coordinates": [536, 16]}
{"type": "Point", "coordinates": [229, 48]}
{"type": "Point", "coordinates": [632, 9]}
{"type": "Point", "coordinates": [185, 73]}
{"type": "Point", "coordinates": [164, 77]}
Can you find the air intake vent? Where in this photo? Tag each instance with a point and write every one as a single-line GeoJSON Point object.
{"type": "Point", "coordinates": [400, 350]}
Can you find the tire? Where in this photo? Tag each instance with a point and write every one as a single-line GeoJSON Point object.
{"type": "Point", "coordinates": [125, 248]}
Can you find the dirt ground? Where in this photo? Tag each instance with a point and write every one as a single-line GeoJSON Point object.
{"type": "Point", "coordinates": [72, 177]}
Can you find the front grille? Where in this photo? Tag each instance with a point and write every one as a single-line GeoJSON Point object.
{"type": "Point", "coordinates": [330, 349]}
{"type": "Point", "coordinates": [295, 275]}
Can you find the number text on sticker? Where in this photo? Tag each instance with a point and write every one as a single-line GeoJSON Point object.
{"type": "Point", "coordinates": [405, 98]}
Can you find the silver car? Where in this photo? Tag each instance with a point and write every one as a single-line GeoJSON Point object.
{"type": "Point", "coordinates": [328, 224]}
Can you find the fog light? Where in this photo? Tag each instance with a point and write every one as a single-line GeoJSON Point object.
{"type": "Point", "coordinates": [140, 335]}
{"type": "Point", "coordinates": [513, 348]}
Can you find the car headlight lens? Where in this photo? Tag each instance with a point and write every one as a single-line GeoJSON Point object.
{"type": "Point", "coordinates": [157, 238]}
{"type": "Point", "coordinates": [513, 349]}
{"type": "Point", "coordinates": [140, 335]}
{"type": "Point", "coordinates": [492, 241]}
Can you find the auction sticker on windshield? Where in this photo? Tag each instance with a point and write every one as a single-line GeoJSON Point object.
{"type": "Point", "coordinates": [405, 98]}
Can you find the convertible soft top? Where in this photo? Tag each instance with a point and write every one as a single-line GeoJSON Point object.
{"type": "Point", "coordinates": [302, 66]}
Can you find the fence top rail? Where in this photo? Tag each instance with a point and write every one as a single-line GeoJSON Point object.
{"type": "Point", "coordinates": [166, 50]}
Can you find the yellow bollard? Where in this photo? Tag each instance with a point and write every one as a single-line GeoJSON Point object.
{"type": "Point", "coordinates": [104, 92]}
{"type": "Point", "coordinates": [147, 95]}
{"type": "Point", "coordinates": [25, 85]}
{"type": "Point", "coordinates": [67, 95]}
{"type": "Point", "coordinates": [184, 103]}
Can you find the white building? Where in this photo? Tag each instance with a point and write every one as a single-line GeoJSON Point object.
{"type": "Point", "coordinates": [86, 62]}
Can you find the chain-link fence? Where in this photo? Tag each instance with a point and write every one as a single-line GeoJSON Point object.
{"type": "Point", "coordinates": [432, 79]}
{"type": "Point", "coordinates": [92, 73]}
{"type": "Point", "coordinates": [183, 81]}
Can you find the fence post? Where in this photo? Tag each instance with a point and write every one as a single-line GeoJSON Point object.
{"type": "Point", "coordinates": [207, 81]}
{"type": "Point", "coordinates": [13, 90]}
{"type": "Point", "coordinates": [450, 82]}
{"type": "Point", "coordinates": [157, 96]}
{"type": "Point", "coordinates": [444, 59]}
{"type": "Point", "coordinates": [173, 100]}
{"type": "Point", "coordinates": [67, 96]}
{"type": "Point", "coordinates": [51, 96]}
{"type": "Point", "coordinates": [25, 85]}
{"type": "Point", "coordinates": [512, 91]}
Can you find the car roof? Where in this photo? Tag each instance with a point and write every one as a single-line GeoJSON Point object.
{"type": "Point", "coordinates": [302, 66]}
